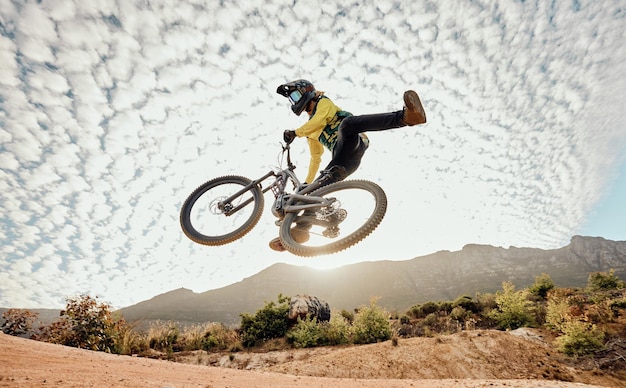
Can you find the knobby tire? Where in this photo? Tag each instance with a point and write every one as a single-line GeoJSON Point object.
{"type": "Point", "coordinates": [229, 236]}
{"type": "Point", "coordinates": [353, 238]}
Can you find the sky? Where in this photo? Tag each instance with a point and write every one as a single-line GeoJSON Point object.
{"type": "Point", "coordinates": [112, 112]}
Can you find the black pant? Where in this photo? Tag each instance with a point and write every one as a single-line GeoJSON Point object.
{"type": "Point", "coordinates": [350, 148]}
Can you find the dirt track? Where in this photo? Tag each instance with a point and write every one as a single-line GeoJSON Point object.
{"type": "Point", "coordinates": [469, 359]}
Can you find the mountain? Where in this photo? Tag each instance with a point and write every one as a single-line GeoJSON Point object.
{"type": "Point", "coordinates": [443, 275]}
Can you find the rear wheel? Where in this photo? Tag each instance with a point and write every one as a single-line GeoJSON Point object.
{"type": "Point", "coordinates": [208, 219]}
{"type": "Point", "coordinates": [357, 209]}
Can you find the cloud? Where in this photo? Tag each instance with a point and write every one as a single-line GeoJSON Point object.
{"type": "Point", "coordinates": [112, 113]}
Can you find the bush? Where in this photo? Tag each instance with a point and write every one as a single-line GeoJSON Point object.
{"type": "Point", "coordinates": [347, 315]}
{"type": "Point", "coordinates": [128, 341]}
{"type": "Point", "coordinates": [431, 320]}
{"type": "Point", "coordinates": [421, 311]}
{"type": "Point", "coordinates": [558, 310]}
{"type": "Point", "coordinates": [466, 303]}
{"type": "Point", "coordinates": [459, 314]}
{"type": "Point", "coordinates": [18, 321]}
{"type": "Point", "coordinates": [486, 302]}
{"type": "Point", "coordinates": [445, 307]}
{"type": "Point", "coordinates": [55, 333]}
{"type": "Point", "coordinates": [617, 305]}
{"type": "Point", "coordinates": [219, 337]}
{"type": "Point", "coordinates": [371, 324]}
{"type": "Point", "coordinates": [306, 333]}
{"type": "Point", "coordinates": [580, 338]}
{"type": "Point", "coordinates": [543, 284]}
{"type": "Point", "coordinates": [514, 309]}
{"type": "Point", "coordinates": [599, 281]}
{"type": "Point", "coordinates": [338, 330]}
{"type": "Point", "coordinates": [88, 324]}
{"type": "Point", "coordinates": [163, 336]}
{"type": "Point", "coordinates": [268, 322]}
{"type": "Point", "coordinates": [191, 337]}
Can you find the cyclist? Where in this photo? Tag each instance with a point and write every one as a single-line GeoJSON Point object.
{"type": "Point", "coordinates": [340, 132]}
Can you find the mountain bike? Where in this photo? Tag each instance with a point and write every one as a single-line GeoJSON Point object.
{"type": "Point", "coordinates": [337, 214]}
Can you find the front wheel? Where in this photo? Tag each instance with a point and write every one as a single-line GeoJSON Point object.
{"type": "Point", "coordinates": [357, 208]}
{"type": "Point", "coordinates": [221, 210]}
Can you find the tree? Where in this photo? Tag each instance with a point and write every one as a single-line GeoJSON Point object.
{"type": "Point", "coordinates": [18, 321]}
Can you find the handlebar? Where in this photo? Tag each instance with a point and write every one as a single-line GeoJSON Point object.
{"type": "Point", "coordinates": [287, 149]}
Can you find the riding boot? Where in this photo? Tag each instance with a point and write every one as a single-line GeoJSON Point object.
{"type": "Point", "coordinates": [413, 112]}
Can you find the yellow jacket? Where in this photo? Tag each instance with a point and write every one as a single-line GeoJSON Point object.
{"type": "Point", "coordinates": [320, 131]}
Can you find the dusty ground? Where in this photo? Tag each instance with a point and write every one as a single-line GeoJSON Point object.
{"type": "Point", "coordinates": [469, 359]}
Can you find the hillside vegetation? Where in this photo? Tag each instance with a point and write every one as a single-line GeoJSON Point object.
{"type": "Point", "coordinates": [588, 324]}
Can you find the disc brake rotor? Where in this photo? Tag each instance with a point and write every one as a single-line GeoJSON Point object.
{"type": "Point", "coordinates": [218, 207]}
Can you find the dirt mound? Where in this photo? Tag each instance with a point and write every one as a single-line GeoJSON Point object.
{"type": "Point", "coordinates": [467, 355]}
{"type": "Point", "coordinates": [468, 359]}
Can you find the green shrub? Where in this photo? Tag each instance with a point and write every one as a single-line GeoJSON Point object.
{"type": "Point", "coordinates": [617, 304]}
{"type": "Point", "coordinates": [268, 322]}
{"type": "Point", "coordinates": [347, 315]}
{"type": "Point", "coordinates": [467, 303]}
{"type": "Point", "coordinates": [486, 302]}
{"type": "Point", "coordinates": [371, 324]}
{"type": "Point", "coordinates": [459, 314]}
{"type": "Point", "coordinates": [306, 333]}
{"type": "Point", "coordinates": [445, 307]}
{"type": "Point", "coordinates": [598, 281]}
{"type": "Point", "coordinates": [557, 311]}
{"type": "Point", "coordinates": [580, 338]}
{"type": "Point", "coordinates": [514, 309]}
{"type": "Point", "coordinates": [338, 330]}
{"type": "Point", "coordinates": [431, 320]}
{"type": "Point", "coordinates": [543, 284]}
{"type": "Point", "coordinates": [421, 311]}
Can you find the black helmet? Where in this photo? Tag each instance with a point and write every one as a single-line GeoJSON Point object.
{"type": "Point", "coordinates": [299, 93]}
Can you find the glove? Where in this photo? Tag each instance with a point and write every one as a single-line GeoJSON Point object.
{"type": "Point", "coordinates": [288, 136]}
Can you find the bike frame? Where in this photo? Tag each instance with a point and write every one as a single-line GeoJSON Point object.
{"type": "Point", "coordinates": [285, 202]}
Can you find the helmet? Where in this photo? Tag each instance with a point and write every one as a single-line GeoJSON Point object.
{"type": "Point", "coordinates": [299, 93]}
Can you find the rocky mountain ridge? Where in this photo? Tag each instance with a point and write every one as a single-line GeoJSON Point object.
{"type": "Point", "coordinates": [399, 285]}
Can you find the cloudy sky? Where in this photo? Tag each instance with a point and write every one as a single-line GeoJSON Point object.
{"type": "Point", "coordinates": [112, 112]}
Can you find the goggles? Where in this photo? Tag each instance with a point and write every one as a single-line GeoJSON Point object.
{"type": "Point", "coordinates": [294, 97]}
